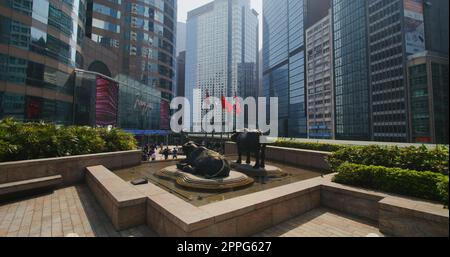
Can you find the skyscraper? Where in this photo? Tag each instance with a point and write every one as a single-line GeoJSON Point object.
{"type": "Point", "coordinates": [181, 37]}
{"type": "Point", "coordinates": [142, 34]}
{"type": "Point", "coordinates": [320, 90]}
{"type": "Point", "coordinates": [428, 98]}
{"type": "Point", "coordinates": [222, 50]}
{"type": "Point", "coordinates": [40, 47]}
{"type": "Point", "coordinates": [181, 74]}
{"type": "Point", "coordinates": [436, 26]}
{"type": "Point", "coordinates": [351, 73]}
{"type": "Point", "coordinates": [396, 30]}
{"type": "Point", "coordinates": [373, 40]}
{"type": "Point", "coordinates": [284, 63]}
{"type": "Point", "coordinates": [50, 71]}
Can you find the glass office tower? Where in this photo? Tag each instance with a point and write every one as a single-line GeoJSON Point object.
{"type": "Point", "coordinates": [284, 63]}
{"type": "Point", "coordinates": [351, 73]}
{"type": "Point", "coordinates": [143, 35]}
{"type": "Point", "coordinates": [40, 47]}
{"type": "Point", "coordinates": [428, 98]}
{"type": "Point", "coordinates": [436, 26]}
{"type": "Point", "coordinates": [49, 70]}
{"type": "Point", "coordinates": [387, 73]}
{"type": "Point", "coordinates": [222, 51]}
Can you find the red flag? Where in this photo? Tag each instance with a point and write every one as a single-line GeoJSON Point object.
{"type": "Point", "coordinates": [237, 103]}
{"type": "Point", "coordinates": [207, 98]}
{"type": "Point", "coordinates": [226, 105]}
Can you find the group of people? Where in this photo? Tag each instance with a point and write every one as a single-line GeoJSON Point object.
{"type": "Point", "coordinates": [149, 152]}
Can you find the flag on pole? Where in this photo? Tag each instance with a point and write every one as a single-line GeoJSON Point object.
{"type": "Point", "coordinates": [226, 105]}
{"type": "Point", "coordinates": [237, 104]}
{"type": "Point", "coordinates": [207, 101]}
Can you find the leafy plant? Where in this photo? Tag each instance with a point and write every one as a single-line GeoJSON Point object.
{"type": "Point", "coordinates": [422, 184]}
{"type": "Point", "coordinates": [23, 141]}
{"type": "Point", "coordinates": [413, 158]}
{"type": "Point", "coordinates": [308, 146]}
{"type": "Point", "coordinates": [443, 190]}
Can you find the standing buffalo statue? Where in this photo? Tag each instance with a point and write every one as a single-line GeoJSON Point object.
{"type": "Point", "coordinates": [203, 162]}
{"type": "Point", "coordinates": [248, 141]}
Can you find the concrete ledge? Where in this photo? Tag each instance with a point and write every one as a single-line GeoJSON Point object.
{"type": "Point", "coordinates": [350, 201]}
{"type": "Point", "coordinates": [123, 204]}
{"type": "Point", "coordinates": [72, 169]}
{"type": "Point", "coordinates": [395, 215]}
{"type": "Point", "coordinates": [247, 215]}
{"type": "Point", "coordinates": [31, 184]}
{"type": "Point", "coordinates": [169, 215]}
{"type": "Point", "coordinates": [407, 218]}
{"type": "Point", "coordinates": [304, 158]}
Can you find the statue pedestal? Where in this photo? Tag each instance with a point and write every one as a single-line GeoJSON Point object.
{"type": "Point", "coordinates": [234, 181]}
{"type": "Point", "coordinates": [268, 171]}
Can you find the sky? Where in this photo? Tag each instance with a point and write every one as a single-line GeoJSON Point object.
{"type": "Point", "coordinates": [184, 6]}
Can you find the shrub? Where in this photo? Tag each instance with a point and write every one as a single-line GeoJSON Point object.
{"type": "Point", "coordinates": [413, 158]}
{"type": "Point", "coordinates": [443, 190]}
{"type": "Point", "coordinates": [22, 141]}
{"type": "Point", "coordinates": [308, 146]}
{"type": "Point", "coordinates": [117, 139]}
{"type": "Point", "coordinates": [424, 184]}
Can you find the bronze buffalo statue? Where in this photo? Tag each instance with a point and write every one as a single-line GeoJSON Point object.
{"type": "Point", "coordinates": [203, 162]}
{"type": "Point", "coordinates": [248, 141]}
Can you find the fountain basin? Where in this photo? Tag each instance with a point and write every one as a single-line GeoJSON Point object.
{"type": "Point", "coordinates": [234, 181]}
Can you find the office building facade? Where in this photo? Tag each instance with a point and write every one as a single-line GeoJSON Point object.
{"type": "Point", "coordinates": [221, 51]}
{"type": "Point", "coordinates": [40, 47]}
{"type": "Point", "coordinates": [50, 71]}
{"type": "Point", "coordinates": [436, 26]}
{"type": "Point", "coordinates": [181, 74]}
{"type": "Point", "coordinates": [372, 43]}
{"type": "Point", "coordinates": [319, 77]}
{"type": "Point", "coordinates": [351, 73]}
{"type": "Point", "coordinates": [284, 63]}
{"type": "Point", "coordinates": [143, 35]}
{"type": "Point", "coordinates": [181, 37]}
{"type": "Point", "coordinates": [387, 74]}
{"type": "Point", "coordinates": [428, 98]}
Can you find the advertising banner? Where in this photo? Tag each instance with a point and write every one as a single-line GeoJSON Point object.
{"type": "Point", "coordinates": [414, 26]}
{"type": "Point", "coordinates": [165, 116]}
{"type": "Point", "coordinates": [107, 102]}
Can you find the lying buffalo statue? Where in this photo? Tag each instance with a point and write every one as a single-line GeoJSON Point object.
{"type": "Point", "coordinates": [203, 162]}
{"type": "Point", "coordinates": [248, 141]}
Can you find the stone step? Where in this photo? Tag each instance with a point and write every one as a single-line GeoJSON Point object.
{"type": "Point", "coordinates": [30, 184]}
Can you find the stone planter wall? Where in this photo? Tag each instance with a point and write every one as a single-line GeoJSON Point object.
{"type": "Point", "coordinates": [72, 169]}
{"type": "Point", "coordinates": [169, 215]}
{"type": "Point", "coordinates": [124, 205]}
{"type": "Point", "coordinates": [304, 158]}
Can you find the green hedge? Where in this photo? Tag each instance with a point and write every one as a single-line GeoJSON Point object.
{"type": "Point", "coordinates": [308, 146]}
{"type": "Point", "coordinates": [24, 141]}
{"type": "Point", "coordinates": [443, 190]}
{"type": "Point", "coordinates": [413, 158]}
{"type": "Point", "coordinates": [422, 184]}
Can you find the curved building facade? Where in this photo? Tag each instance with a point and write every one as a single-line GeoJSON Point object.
{"type": "Point", "coordinates": [51, 71]}
{"type": "Point", "coordinates": [142, 33]}
{"type": "Point", "coordinates": [40, 47]}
